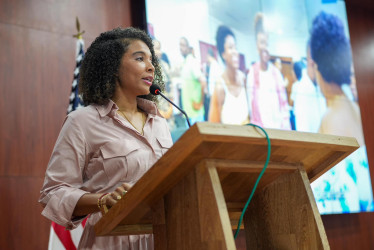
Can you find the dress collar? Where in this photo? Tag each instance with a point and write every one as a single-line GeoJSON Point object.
{"type": "Point", "coordinates": [147, 106]}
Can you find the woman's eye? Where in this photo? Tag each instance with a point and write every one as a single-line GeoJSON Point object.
{"type": "Point", "coordinates": [139, 58]}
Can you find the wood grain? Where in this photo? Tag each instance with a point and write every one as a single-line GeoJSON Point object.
{"type": "Point", "coordinates": [284, 216]}
{"type": "Point", "coordinates": [214, 218]}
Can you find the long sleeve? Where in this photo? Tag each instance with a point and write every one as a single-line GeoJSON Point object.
{"type": "Point", "coordinates": [64, 176]}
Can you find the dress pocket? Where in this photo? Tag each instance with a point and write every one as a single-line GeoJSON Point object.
{"type": "Point", "coordinates": [164, 144]}
{"type": "Point", "coordinates": [117, 157]}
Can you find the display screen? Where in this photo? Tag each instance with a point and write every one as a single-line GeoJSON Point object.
{"type": "Point", "coordinates": [277, 64]}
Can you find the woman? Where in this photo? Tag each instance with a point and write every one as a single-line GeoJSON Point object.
{"type": "Point", "coordinates": [332, 72]}
{"type": "Point", "coordinates": [105, 147]}
{"type": "Point", "coordinates": [267, 94]}
{"type": "Point", "coordinates": [229, 101]}
{"type": "Point", "coordinates": [331, 53]}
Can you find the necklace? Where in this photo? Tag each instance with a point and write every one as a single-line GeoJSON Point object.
{"type": "Point", "coordinates": [143, 119]}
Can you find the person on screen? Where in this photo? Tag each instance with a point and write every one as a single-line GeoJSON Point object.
{"type": "Point", "coordinates": [104, 148]}
{"type": "Point", "coordinates": [279, 65]}
{"type": "Point", "coordinates": [353, 86]}
{"type": "Point", "coordinates": [229, 100]}
{"type": "Point", "coordinates": [288, 86]}
{"type": "Point", "coordinates": [308, 102]}
{"type": "Point", "coordinates": [166, 108]}
{"type": "Point", "coordinates": [350, 90]}
{"type": "Point", "coordinates": [213, 71]}
{"type": "Point", "coordinates": [331, 53]}
{"type": "Point", "coordinates": [266, 90]}
{"type": "Point", "coordinates": [349, 181]}
{"type": "Point", "coordinates": [193, 84]}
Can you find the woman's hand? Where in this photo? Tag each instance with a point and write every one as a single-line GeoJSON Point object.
{"type": "Point", "coordinates": [112, 198]}
{"type": "Point", "coordinates": [91, 202]}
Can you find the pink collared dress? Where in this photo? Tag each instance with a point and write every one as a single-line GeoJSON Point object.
{"type": "Point", "coordinates": [96, 151]}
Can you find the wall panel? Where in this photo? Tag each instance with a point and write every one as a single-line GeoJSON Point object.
{"type": "Point", "coordinates": [59, 16]}
{"type": "Point", "coordinates": [22, 226]}
{"type": "Point", "coordinates": [38, 67]}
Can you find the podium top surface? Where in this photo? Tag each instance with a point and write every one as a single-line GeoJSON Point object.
{"type": "Point", "coordinates": [317, 153]}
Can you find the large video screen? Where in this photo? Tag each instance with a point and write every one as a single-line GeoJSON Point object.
{"type": "Point", "coordinates": [277, 64]}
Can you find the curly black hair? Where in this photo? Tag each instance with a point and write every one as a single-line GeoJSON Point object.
{"type": "Point", "coordinates": [330, 49]}
{"type": "Point", "coordinates": [222, 32]}
{"type": "Point", "coordinates": [102, 60]}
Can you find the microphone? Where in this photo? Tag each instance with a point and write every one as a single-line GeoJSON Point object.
{"type": "Point", "coordinates": [156, 90]}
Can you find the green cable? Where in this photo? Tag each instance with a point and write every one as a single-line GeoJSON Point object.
{"type": "Point", "coordinates": [258, 178]}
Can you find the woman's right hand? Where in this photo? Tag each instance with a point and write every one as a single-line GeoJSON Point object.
{"type": "Point", "coordinates": [112, 198]}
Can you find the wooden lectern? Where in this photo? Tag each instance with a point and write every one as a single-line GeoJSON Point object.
{"type": "Point", "coordinates": [193, 196]}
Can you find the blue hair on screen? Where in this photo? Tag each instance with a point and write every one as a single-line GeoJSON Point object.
{"type": "Point", "coordinates": [330, 48]}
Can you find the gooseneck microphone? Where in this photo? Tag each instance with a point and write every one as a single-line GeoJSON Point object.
{"type": "Point", "coordinates": [156, 90]}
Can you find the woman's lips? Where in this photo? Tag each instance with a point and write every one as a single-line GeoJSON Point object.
{"type": "Point", "coordinates": [147, 81]}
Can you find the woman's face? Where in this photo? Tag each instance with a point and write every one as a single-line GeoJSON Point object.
{"type": "Point", "coordinates": [183, 47]}
{"type": "Point", "coordinates": [262, 47]}
{"type": "Point", "coordinates": [136, 72]}
{"type": "Point", "coordinates": [230, 53]}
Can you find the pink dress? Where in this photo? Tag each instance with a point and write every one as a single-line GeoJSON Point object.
{"type": "Point", "coordinates": [268, 97]}
{"type": "Point", "coordinates": [98, 150]}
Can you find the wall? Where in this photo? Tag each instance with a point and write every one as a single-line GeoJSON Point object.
{"type": "Point", "coordinates": [37, 60]}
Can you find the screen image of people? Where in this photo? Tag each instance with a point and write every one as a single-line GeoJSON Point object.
{"type": "Point", "coordinates": [277, 64]}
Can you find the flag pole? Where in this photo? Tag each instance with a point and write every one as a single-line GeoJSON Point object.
{"type": "Point", "coordinates": [79, 32]}
{"type": "Point", "coordinates": [75, 101]}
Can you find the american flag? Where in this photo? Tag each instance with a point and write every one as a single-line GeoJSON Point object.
{"type": "Point", "coordinates": [75, 101]}
{"type": "Point", "coordinates": [59, 237]}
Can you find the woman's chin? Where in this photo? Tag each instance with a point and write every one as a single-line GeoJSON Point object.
{"type": "Point", "coordinates": [144, 93]}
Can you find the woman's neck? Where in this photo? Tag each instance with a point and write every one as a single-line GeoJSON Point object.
{"type": "Point", "coordinates": [333, 93]}
{"type": "Point", "coordinates": [231, 75]}
{"type": "Point", "coordinates": [126, 104]}
{"type": "Point", "coordinates": [264, 66]}
{"type": "Point", "coordinates": [336, 100]}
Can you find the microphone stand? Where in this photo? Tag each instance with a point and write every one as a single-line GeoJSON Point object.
{"type": "Point", "coordinates": [188, 120]}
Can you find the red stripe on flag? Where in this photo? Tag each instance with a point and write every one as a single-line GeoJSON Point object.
{"type": "Point", "coordinates": [64, 236]}
{"type": "Point", "coordinates": [84, 221]}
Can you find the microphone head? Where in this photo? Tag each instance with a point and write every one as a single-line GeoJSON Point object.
{"type": "Point", "coordinates": [154, 89]}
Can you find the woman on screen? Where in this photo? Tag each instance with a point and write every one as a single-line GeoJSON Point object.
{"type": "Point", "coordinates": [331, 53]}
{"type": "Point", "coordinates": [266, 91]}
{"type": "Point", "coordinates": [348, 182]}
{"type": "Point", "coordinates": [229, 101]}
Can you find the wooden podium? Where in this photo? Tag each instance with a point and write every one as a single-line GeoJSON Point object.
{"type": "Point", "coordinates": [193, 196]}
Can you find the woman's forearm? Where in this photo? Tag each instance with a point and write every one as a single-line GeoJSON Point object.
{"type": "Point", "coordinates": [87, 204]}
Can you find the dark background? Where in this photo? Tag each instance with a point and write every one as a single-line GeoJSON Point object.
{"type": "Point", "coordinates": [37, 59]}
